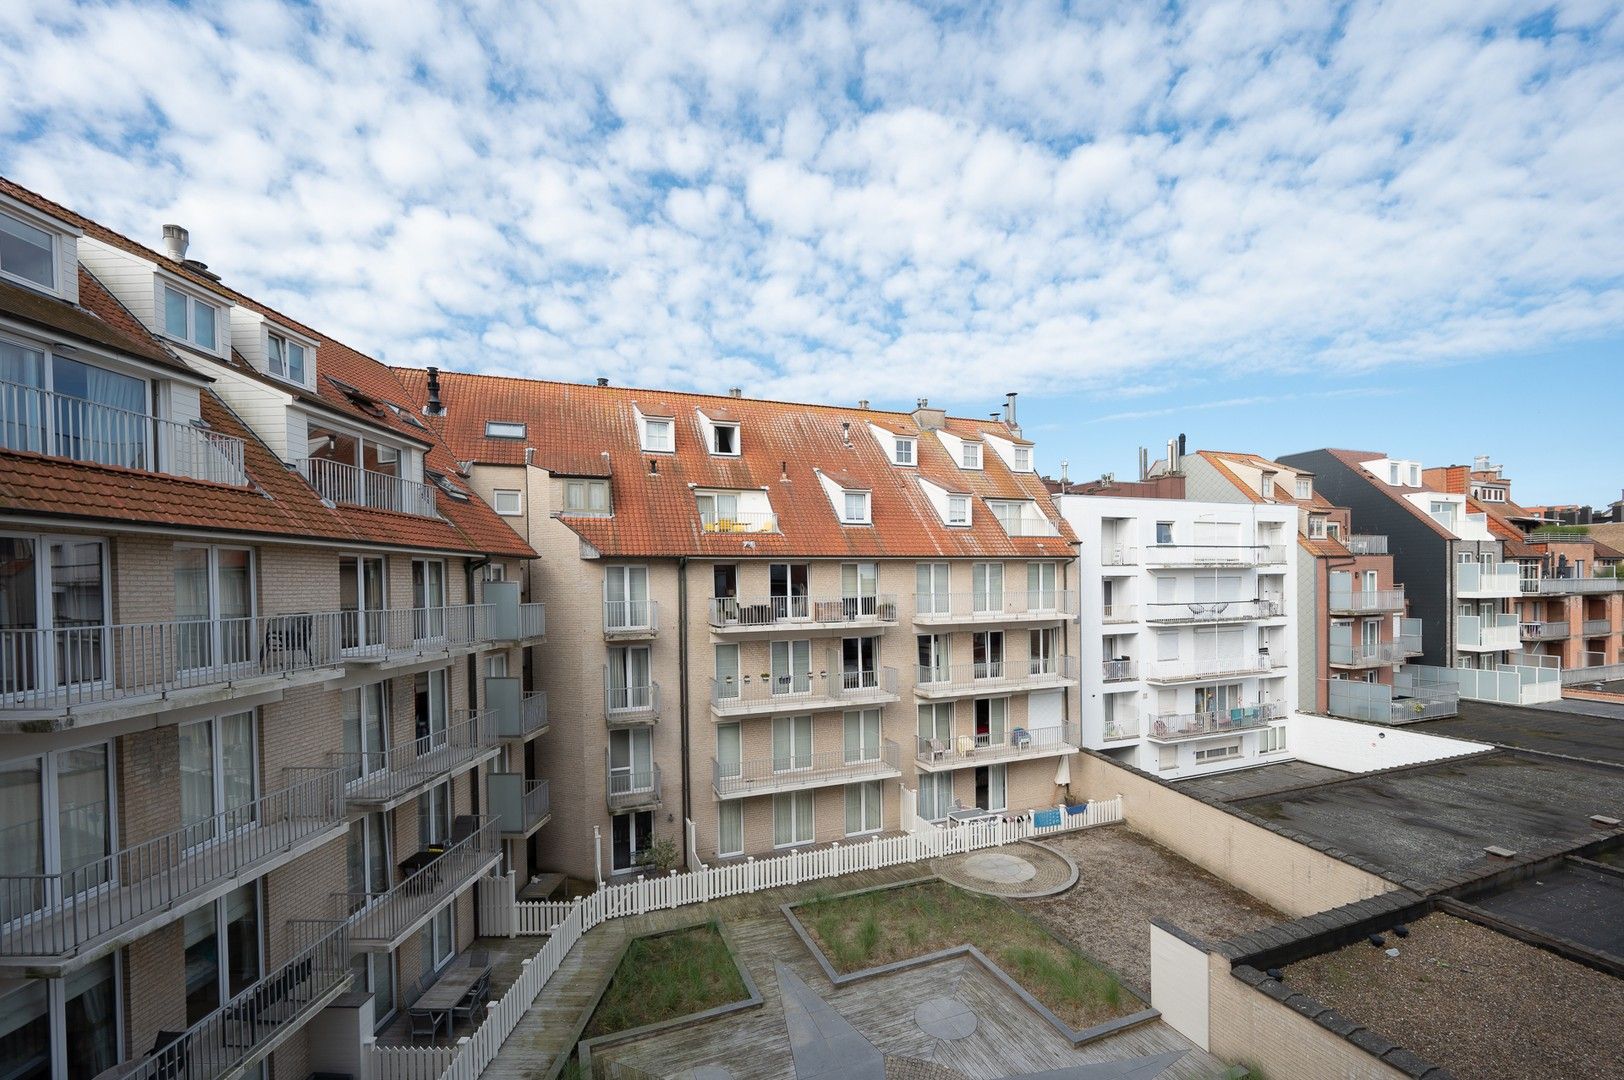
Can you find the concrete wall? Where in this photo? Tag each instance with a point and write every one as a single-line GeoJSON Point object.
{"type": "Point", "coordinates": [1356, 747]}
{"type": "Point", "coordinates": [1179, 980]}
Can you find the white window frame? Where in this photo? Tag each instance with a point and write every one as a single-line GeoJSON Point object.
{"type": "Point", "coordinates": [506, 429]}
{"type": "Point", "coordinates": [306, 365]}
{"type": "Point", "coordinates": [1022, 457]}
{"type": "Point", "coordinates": [1274, 739]}
{"type": "Point", "coordinates": [216, 631]}
{"type": "Point", "coordinates": [906, 451]}
{"type": "Point", "coordinates": [194, 297]}
{"type": "Point", "coordinates": [846, 518]}
{"type": "Point", "coordinates": [508, 502]}
{"type": "Point", "coordinates": [48, 420]}
{"type": "Point", "coordinates": [46, 675]}
{"type": "Point", "coordinates": [631, 818]}
{"type": "Point", "coordinates": [870, 797]}
{"type": "Point", "coordinates": [790, 801]}
{"type": "Point", "coordinates": [716, 435]}
{"type": "Point", "coordinates": [54, 238]}
{"type": "Point", "coordinates": [866, 752]}
{"type": "Point", "coordinates": [47, 768]}
{"type": "Point", "coordinates": [585, 486]}
{"type": "Point", "coordinates": [724, 809]}
{"type": "Point", "coordinates": [1305, 488]}
{"type": "Point", "coordinates": [217, 774]}
{"type": "Point", "coordinates": [970, 456]}
{"type": "Point", "coordinates": [664, 424]}
{"type": "Point", "coordinates": [959, 511]}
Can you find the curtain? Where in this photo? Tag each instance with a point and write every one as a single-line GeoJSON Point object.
{"type": "Point", "coordinates": [237, 767]}
{"type": "Point", "coordinates": [197, 775]}
{"type": "Point", "coordinates": [82, 825]}
{"type": "Point", "coordinates": [728, 749]}
{"type": "Point", "coordinates": [22, 405]}
{"type": "Point", "coordinates": [730, 828]}
{"type": "Point", "coordinates": [192, 607]}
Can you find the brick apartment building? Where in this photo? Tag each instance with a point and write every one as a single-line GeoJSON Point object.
{"type": "Point", "coordinates": [261, 652]}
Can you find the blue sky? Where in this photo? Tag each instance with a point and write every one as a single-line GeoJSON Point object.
{"type": "Point", "coordinates": [1269, 225]}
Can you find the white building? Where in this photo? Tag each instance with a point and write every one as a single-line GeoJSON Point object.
{"type": "Point", "coordinates": [1188, 626]}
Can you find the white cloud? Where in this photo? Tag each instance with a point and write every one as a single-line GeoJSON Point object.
{"type": "Point", "coordinates": [877, 196]}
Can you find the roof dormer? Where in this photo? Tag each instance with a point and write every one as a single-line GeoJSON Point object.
{"type": "Point", "coordinates": [900, 447]}
{"type": "Point", "coordinates": [851, 498]}
{"type": "Point", "coordinates": [955, 508]}
{"type": "Point", "coordinates": [656, 430]}
{"type": "Point", "coordinates": [720, 429]}
{"type": "Point", "coordinates": [966, 453]}
{"type": "Point", "coordinates": [1016, 453]}
{"type": "Point", "coordinates": [38, 251]}
{"type": "Point", "coordinates": [271, 349]}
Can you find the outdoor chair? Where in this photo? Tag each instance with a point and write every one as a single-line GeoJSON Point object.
{"type": "Point", "coordinates": [423, 1023]}
{"type": "Point", "coordinates": [1020, 738]}
{"type": "Point", "coordinates": [472, 1005]}
{"type": "Point", "coordinates": [938, 751]}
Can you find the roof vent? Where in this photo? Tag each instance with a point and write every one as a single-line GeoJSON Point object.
{"type": "Point", "coordinates": [175, 241]}
{"type": "Point", "coordinates": [653, 467]}
{"type": "Point", "coordinates": [735, 391]}
{"type": "Point", "coordinates": [602, 381]}
{"type": "Point", "coordinates": [845, 432]}
{"type": "Point", "coordinates": [783, 470]}
{"type": "Point", "coordinates": [434, 408]}
{"type": "Point", "coordinates": [862, 403]}
{"type": "Point", "coordinates": [923, 403]}
{"type": "Point", "coordinates": [1065, 471]}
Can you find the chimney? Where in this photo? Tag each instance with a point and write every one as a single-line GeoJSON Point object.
{"type": "Point", "coordinates": [862, 403]}
{"type": "Point", "coordinates": [602, 381]}
{"type": "Point", "coordinates": [530, 455]}
{"type": "Point", "coordinates": [783, 470]}
{"type": "Point", "coordinates": [1144, 463]}
{"type": "Point", "coordinates": [1009, 411]}
{"type": "Point", "coordinates": [434, 408]}
{"type": "Point", "coordinates": [927, 418]}
{"type": "Point", "coordinates": [175, 241]}
{"type": "Point", "coordinates": [1065, 471]}
{"type": "Point", "coordinates": [735, 391]}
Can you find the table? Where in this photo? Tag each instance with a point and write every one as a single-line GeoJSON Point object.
{"type": "Point", "coordinates": [439, 999]}
{"type": "Point", "coordinates": [968, 813]}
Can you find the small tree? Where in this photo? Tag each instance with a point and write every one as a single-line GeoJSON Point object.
{"type": "Point", "coordinates": [661, 855]}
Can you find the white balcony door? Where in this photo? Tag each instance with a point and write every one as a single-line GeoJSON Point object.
{"type": "Point", "coordinates": [428, 597]}
{"type": "Point", "coordinates": [223, 956]}
{"type": "Point", "coordinates": [727, 672]}
{"type": "Point", "coordinates": [1042, 646]}
{"type": "Point", "coordinates": [792, 818]}
{"type": "Point", "coordinates": [987, 587]}
{"type": "Point", "coordinates": [626, 592]}
{"type": "Point", "coordinates": [1217, 587]}
{"type": "Point", "coordinates": [861, 733]}
{"type": "Point", "coordinates": [792, 743]}
{"type": "Point", "coordinates": [631, 760]}
{"type": "Point", "coordinates": [987, 654]}
{"type": "Point", "coordinates": [857, 668]}
{"type": "Point", "coordinates": [859, 588]}
{"type": "Point", "coordinates": [934, 650]}
{"type": "Point", "coordinates": [931, 588]}
{"type": "Point", "coordinates": [730, 827]}
{"type": "Point", "coordinates": [991, 716]}
{"type": "Point", "coordinates": [218, 776]}
{"type": "Point", "coordinates": [1370, 631]}
{"type": "Point", "coordinates": [729, 750]}
{"type": "Point", "coordinates": [59, 820]}
{"type": "Point", "coordinates": [864, 813]}
{"type": "Point", "coordinates": [53, 616]}
{"type": "Point", "coordinates": [1042, 586]}
{"type": "Point", "coordinates": [367, 858]}
{"type": "Point", "coordinates": [432, 706]}
{"type": "Point", "coordinates": [630, 686]}
{"type": "Point", "coordinates": [214, 605]}
{"type": "Point", "coordinates": [366, 727]}
{"type": "Point", "coordinates": [935, 795]}
{"type": "Point", "coordinates": [362, 597]}
{"type": "Point", "coordinates": [791, 667]}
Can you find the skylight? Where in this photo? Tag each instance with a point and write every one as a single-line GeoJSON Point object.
{"type": "Point", "coordinates": [504, 429]}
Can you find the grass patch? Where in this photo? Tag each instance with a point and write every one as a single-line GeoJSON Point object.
{"type": "Point", "coordinates": [667, 976]}
{"type": "Point", "coordinates": [864, 931]}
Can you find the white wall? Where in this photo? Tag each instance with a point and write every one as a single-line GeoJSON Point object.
{"type": "Point", "coordinates": [1356, 747]}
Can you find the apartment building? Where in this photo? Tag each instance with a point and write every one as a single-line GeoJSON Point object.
{"type": "Point", "coordinates": [1189, 615]}
{"type": "Point", "coordinates": [785, 613]}
{"type": "Point", "coordinates": [1354, 635]}
{"type": "Point", "coordinates": [1455, 570]}
{"type": "Point", "coordinates": [261, 714]}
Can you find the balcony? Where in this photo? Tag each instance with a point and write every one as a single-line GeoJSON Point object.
{"type": "Point", "coordinates": [768, 615]}
{"type": "Point", "coordinates": [1547, 586]}
{"type": "Point", "coordinates": [41, 422]}
{"type": "Point", "coordinates": [632, 789]}
{"type": "Point", "coordinates": [1219, 667]}
{"type": "Point", "coordinates": [982, 748]}
{"type": "Point", "coordinates": [823, 768]}
{"type": "Point", "coordinates": [630, 706]}
{"type": "Point", "coordinates": [1400, 703]}
{"type": "Point", "coordinates": [769, 695]}
{"type": "Point", "coordinates": [1366, 654]}
{"type": "Point", "coordinates": [1367, 602]}
{"type": "Point", "coordinates": [1214, 611]}
{"type": "Point", "coordinates": [514, 717]}
{"type": "Point", "coordinates": [388, 778]}
{"type": "Point", "coordinates": [1202, 556]}
{"type": "Point", "coordinates": [1508, 684]}
{"type": "Point", "coordinates": [1176, 727]}
{"type": "Point", "coordinates": [1493, 633]}
{"type": "Point", "coordinates": [51, 923]}
{"type": "Point", "coordinates": [382, 922]}
{"type": "Point", "coordinates": [994, 607]}
{"type": "Point", "coordinates": [715, 524]}
{"type": "Point", "coordinates": [242, 1033]}
{"type": "Point", "coordinates": [519, 806]}
{"type": "Point", "coordinates": [393, 637]}
{"type": "Point", "coordinates": [1119, 613]}
{"type": "Point", "coordinates": [1118, 728]}
{"type": "Point", "coordinates": [1544, 631]}
{"type": "Point", "coordinates": [1119, 670]}
{"type": "Point", "coordinates": [532, 621]}
{"type": "Point", "coordinates": [631, 620]}
{"type": "Point", "coordinates": [1119, 555]}
{"type": "Point", "coordinates": [344, 484]}
{"type": "Point", "coordinates": [1012, 676]}
{"type": "Point", "coordinates": [1597, 627]}
{"type": "Point", "coordinates": [1476, 581]}
{"type": "Point", "coordinates": [1367, 545]}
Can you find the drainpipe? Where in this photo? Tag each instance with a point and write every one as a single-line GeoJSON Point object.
{"type": "Point", "coordinates": [682, 696]}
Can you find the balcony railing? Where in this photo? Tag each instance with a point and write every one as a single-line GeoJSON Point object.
{"type": "Point", "coordinates": [1201, 555]}
{"type": "Point", "coordinates": [1491, 633]}
{"type": "Point", "coordinates": [243, 1031]}
{"type": "Point", "coordinates": [386, 777]}
{"type": "Point", "coordinates": [1007, 605]}
{"type": "Point", "coordinates": [1367, 601]}
{"type": "Point", "coordinates": [738, 523]}
{"type": "Point", "coordinates": [1119, 613]}
{"type": "Point", "coordinates": [794, 772]}
{"type": "Point", "coordinates": [1597, 627]}
{"type": "Point", "coordinates": [390, 633]}
{"type": "Point", "coordinates": [350, 485]}
{"type": "Point", "coordinates": [1367, 545]}
{"type": "Point", "coordinates": [520, 806]}
{"type": "Point", "coordinates": [796, 612]}
{"type": "Point", "coordinates": [1366, 654]}
{"type": "Point", "coordinates": [1121, 727]}
{"type": "Point", "coordinates": [1119, 555]}
{"type": "Point", "coordinates": [1119, 670]}
{"type": "Point", "coordinates": [379, 922]}
{"type": "Point", "coordinates": [630, 789]}
{"type": "Point", "coordinates": [1547, 586]}
{"type": "Point", "coordinates": [630, 704]}
{"type": "Point", "coordinates": [533, 620]}
{"type": "Point", "coordinates": [980, 748]}
{"type": "Point", "coordinates": [1476, 580]}
{"type": "Point", "coordinates": [831, 688]}
{"type": "Point", "coordinates": [1544, 631]}
{"type": "Point", "coordinates": [57, 915]}
{"type": "Point", "coordinates": [1213, 611]}
{"type": "Point", "coordinates": [1217, 667]}
{"type": "Point", "coordinates": [941, 680]}
{"type": "Point", "coordinates": [631, 618]}
{"type": "Point", "coordinates": [1170, 727]}
{"type": "Point", "coordinates": [42, 422]}
{"type": "Point", "coordinates": [1401, 703]}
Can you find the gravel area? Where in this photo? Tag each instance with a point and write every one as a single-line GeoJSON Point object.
{"type": "Point", "coordinates": [1125, 881]}
{"type": "Point", "coordinates": [1475, 1002]}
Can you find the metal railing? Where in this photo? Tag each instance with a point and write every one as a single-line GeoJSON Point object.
{"type": "Point", "coordinates": [1547, 586]}
{"type": "Point", "coordinates": [1029, 521]}
{"type": "Point", "coordinates": [237, 1032]}
{"type": "Point", "coordinates": [44, 422]}
{"type": "Point", "coordinates": [1216, 667]}
{"type": "Point", "coordinates": [376, 777]}
{"type": "Point", "coordinates": [350, 485]}
{"type": "Point", "coordinates": [752, 522]}
{"type": "Point", "coordinates": [1176, 555]}
{"type": "Point", "coordinates": [1169, 726]}
{"type": "Point", "coordinates": [630, 704]}
{"type": "Point", "coordinates": [533, 620]}
{"type": "Point", "coordinates": [1117, 728]}
{"type": "Point", "coordinates": [811, 769]}
{"type": "Point", "coordinates": [1014, 743]}
{"type": "Point", "coordinates": [1544, 631]}
{"type": "Point", "coordinates": [1119, 613]}
{"type": "Point", "coordinates": [631, 616]}
{"type": "Point", "coordinates": [519, 805]}
{"type": "Point", "coordinates": [773, 692]}
{"type": "Point", "coordinates": [379, 919]}
{"type": "Point", "coordinates": [998, 674]}
{"type": "Point", "coordinates": [537, 801]}
{"type": "Point", "coordinates": [1369, 544]}
{"type": "Point", "coordinates": [994, 605]}
{"type": "Point", "coordinates": [1362, 601]}
{"type": "Point", "coordinates": [1365, 654]}
{"type": "Point", "coordinates": [382, 633]}
{"type": "Point", "coordinates": [532, 716]}
{"type": "Point", "coordinates": [1475, 579]}
{"type": "Point", "coordinates": [628, 788]}
{"type": "Point", "coordinates": [736, 613]}
{"type": "Point", "coordinates": [1208, 611]}
{"type": "Point", "coordinates": [1119, 670]}
{"type": "Point", "coordinates": [48, 915]}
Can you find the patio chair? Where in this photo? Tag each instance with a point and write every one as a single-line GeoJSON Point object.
{"type": "Point", "coordinates": [472, 1005]}
{"type": "Point", "coordinates": [423, 1023]}
{"type": "Point", "coordinates": [1020, 738]}
{"type": "Point", "coordinates": [477, 958]}
{"type": "Point", "coordinates": [938, 750]}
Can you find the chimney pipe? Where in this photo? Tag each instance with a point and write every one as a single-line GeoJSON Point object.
{"type": "Point", "coordinates": [175, 242]}
{"type": "Point", "coordinates": [602, 381]}
{"type": "Point", "coordinates": [1144, 463]}
{"type": "Point", "coordinates": [1065, 471]}
{"type": "Point", "coordinates": [735, 391]}
{"type": "Point", "coordinates": [434, 408]}
{"type": "Point", "coordinates": [1009, 409]}
{"type": "Point", "coordinates": [862, 403]}
{"type": "Point", "coordinates": [924, 403]}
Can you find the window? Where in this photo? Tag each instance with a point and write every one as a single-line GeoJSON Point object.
{"type": "Point", "coordinates": [987, 587]}
{"type": "Point", "coordinates": [59, 820]}
{"type": "Point", "coordinates": [630, 836]}
{"type": "Point", "coordinates": [1164, 532]}
{"type": "Point", "coordinates": [1218, 753]}
{"type": "Point", "coordinates": [434, 816]}
{"type": "Point", "coordinates": [718, 510]}
{"type": "Point", "coordinates": [586, 497]}
{"type": "Point", "coordinates": [792, 819]}
{"type": "Point", "coordinates": [1274, 739]}
{"type": "Point", "coordinates": [935, 795]}
{"type": "Point", "coordinates": [1023, 459]}
{"type": "Point", "coordinates": [1392, 474]}
{"type": "Point", "coordinates": [187, 318]}
{"type": "Point", "coordinates": [507, 502]}
{"type": "Point", "coordinates": [861, 736]}
{"type": "Point", "coordinates": [987, 654]}
{"type": "Point", "coordinates": [1042, 586]}
{"type": "Point", "coordinates": [857, 663]}
{"type": "Point", "coordinates": [430, 708]}
{"type": "Point", "coordinates": [935, 728]}
{"type": "Point", "coordinates": [222, 951]}
{"type": "Point", "coordinates": [27, 253]}
{"type": "Point", "coordinates": [366, 729]}
{"type": "Point", "coordinates": [496, 666]}
{"type": "Point", "coordinates": [67, 1027]}
{"type": "Point", "coordinates": [439, 940]}
{"type": "Point", "coordinates": [729, 750]}
{"type": "Point", "coordinates": [934, 651]}
{"type": "Point", "coordinates": [630, 685]}
{"type": "Point", "coordinates": [1316, 526]}
{"type": "Point", "coordinates": [361, 599]}
{"type": "Point", "coordinates": [367, 861]}
{"type": "Point", "coordinates": [931, 595]}
{"type": "Point", "coordinates": [429, 598]}
{"type": "Point", "coordinates": [788, 585]}
{"type": "Point", "coordinates": [285, 359]}
{"type": "Point", "coordinates": [791, 663]}
{"type": "Point", "coordinates": [904, 451]}
{"type": "Point", "coordinates": [504, 429]}
{"type": "Point", "coordinates": [730, 828]}
{"type": "Point", "coordinates": [958, 510]}
{"type": "Point", "coordinates": [725, 439]}
{"type": "Point", "coordinates": [217, 777]}
{"type": "Point", "coordinates": [214, 603]}
{"type": "Point", "coordinates": [971, 455]}
{"type": "Point", "coordinates": [69, 409]}
{"type": "Point", "coordinates": [859, 589]}
{"type": "Point", "coordinates": [992, 787]}
{"type": "Point", "coordinates": [1305, 488]}
{"type": "Point", "coordinates": [375, 973]}
{"type": "Point", "coordinates": [631, 761]}
{"type": "Point", "coordinates": [863, 812]}
{"type": "Point", "coordinates": [991, 715]}
{"type": "Point", "coordinates": [792, 743]}
{"type": "Point", "coordinates": [625, 595]}
{"type": "Point", "coordinates": [657, 436]}
{"type": "Point", "coordinates": [854, 508]}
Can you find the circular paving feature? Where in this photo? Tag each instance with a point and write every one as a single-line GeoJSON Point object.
{"type": "Point", "coordinates": [946, 1018]}
{"type": "Point", "coordinates": [999, 869]}
{"type": "Point", "coordinates": [1020, 870]}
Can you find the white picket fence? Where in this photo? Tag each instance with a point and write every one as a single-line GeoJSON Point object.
{"type": "Point", "coordinates": [501, 914]}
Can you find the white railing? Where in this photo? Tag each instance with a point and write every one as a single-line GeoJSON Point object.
{"type": "Point", "coordinates": [1544, 631]}
{"type": "Point", "coordinates": [630, 704]}
{"type": "Point", "coordinates": [1558, 586]}
{"type": "Point", "coordinates": [629, 788]}
{"type": "Point", "coordinates": [1211, 611]}
{"type": "Point", "coordinates": [744, 613]}
{"type": "Point", "coordinates": [631, 616]}
{"type": "Point", "coordinates": [811, 769]}
{"type": "Point", "coordinates": [533, 620]}
{"type": "Point", "coordinates": [769, 692]}
{"type": "Point", "coordinates": [1014, 744]}
{"type": "Point", "coordinates": [994, 675]}
{"type": "Point", "coordinates": [753, 522]}
{"type": "Point", "coordinates": [1170, 726]}
{"type": "Point", "coordinates": [993, 605]}
{"type": "Point", "coordinates": [1488, 632]}
{"type": "Point", "coordinates": [1367, 600]}
{"type": "Point", "coordinates": [1119, 670]}
{"type": "Point", "coordinates": [351, 485]}
{"type": "Point", "coordinates": [378, 919]}
{"type": "Point", "coordinates": [1122, 727]}
{"type": "Point", "coordinates": [1215, 667]}
{"type": "Point", "coordinates": [1119, 613]}
{"type": "Point", "coordinates": [1476, 580]}
{"type": "Point", "coordinates": [1214, 554]}
{"type": "Point", "coordinates": [378, 634]}
{"type": "Point", "coordinates": [43, 422]}
{"type": "Point", "coordinates": [1367, 545]}
{"type": "Point", "coordinates": [1119, 555]}
{"type": "Point", "coordinates": [1366, 654]}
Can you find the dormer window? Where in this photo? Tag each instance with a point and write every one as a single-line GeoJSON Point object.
{"type": "Point", "coordinates": [285, 359]}
{"type": "Point", "coordinates": [1316, 526]}
{"type": "Point", "coordinates": [971, 455]}
{"type": "Point", "coordinates": [1305, 488]}
{"type": "Point", "coordinates": [504, 429]}
{"type": "Point", "coordinates": [1266, 485]}
{"type": "Point", "coordinates": [958, 510]}
{"type": "Point", "coordinates": [904, 451]}
{"type": "Point", "coordinates": [189, 319]}
{"type": "Point", "coordinates": [657, 435]}
{"type": "Point", "coordinates": [588, 498]}
{"type": "Point", "coordinates": [27, 253]}
{"type": "Point", "coordinates": [1023, 459]}
{"type": "Point", "coordinates": [854, 508]}
{"type": "Point", "coordinates": [725, 439]}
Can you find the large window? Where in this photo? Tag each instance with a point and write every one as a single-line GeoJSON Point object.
{"type": "Point", "coordinates": [792, 743]}
{"type": "Point", "coordinates": [53, 405]}
{"type": "Point", "coordinates": [631, 685]}
{"type": "Point", "coordinates": [991, 715]}
{"type": "Point", "coordinates": [439, 939]}
{"type": "Point", "coordinates": [285, 358]}
{"type": "Point", "coordinates": [861, 736]}
{"type": "Point", "coordinates": [992, 788]}
{"type": "Point", "coordinates": [625, 595]}
{"type": "Point", "coordinates": [361, 596]}
{"type": "Point", "coordinates": [987, 587]}
{"type": "Point", "coordinates": [630, 836]}
{"type": "Point", "coordinates": [931, 588]}
{"type": "Point", "coordinates": [859, 588]}
{"type": "Point", "coordinates": [366, 729]}
{"type": "Point", "coordinates": [863, 810]}
{"type": "Point", "coordinates": [222, 951]}
{"type": "Point", "coordinates": [791, 663]}
{"type": "Point", "coordinates": [27, 253]}
{"type": "Point", "coordinates": [429, 598]}
{"type": "Point", "coordinates": [367, 858]}
{"type": "Point", "coordinates": [188, 318]}
{"type": "Point", "coordinates": [934, 653]}
{"type": "Point", "coordinates": [1042, 586]}
{"type": "Point", "coordinates": [857, 670]}
{"type": "Point", "coordinates": [586, 497]}
{"type": "Point", "coordinates": [935, 795]}
{"type": "Point", "coordinates": [788, 585]}
{"type": "Point", "coordinates": [217, 776]}
{"type": "Point", "coordinates": [792, 819]}
{"type": "Point", "coordinates": [67, 1028]}
{"type": "Point", "coordinates": [431, 704]}
{"type": "Point", "coordinates": [434, 816]}
{"type": "Point", "coordinates": [214, 603]}
{"type": "Point", "coordinates": [730, 827]}
{"type": "Point", "coordinates": [57, 819]}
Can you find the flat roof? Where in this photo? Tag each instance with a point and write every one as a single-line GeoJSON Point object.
{"type": "Point", "coordinates": [1430, 821]}
{"type": "Point", "coordinates": [1261, 780]}
{"type": "Point", "coordinates": [1593, 730]}
{"type": "Point", "coordinates": [1572, 901]}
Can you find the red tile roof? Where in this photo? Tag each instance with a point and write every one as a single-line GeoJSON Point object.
{"type": "Point", "coordinates": [571, 427]}
{"type": "Point", "coordinates": [97, 318]}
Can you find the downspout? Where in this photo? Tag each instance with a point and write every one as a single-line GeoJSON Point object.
{"type": "Point", "coordinates": [682, 698]}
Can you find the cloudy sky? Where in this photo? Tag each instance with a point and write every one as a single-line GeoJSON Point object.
{"type": "Point", "coordinates": [1270, 225]}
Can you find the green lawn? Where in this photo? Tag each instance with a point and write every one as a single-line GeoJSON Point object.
{"type": "Point", "coordinates": [875, 928]}
{"type": "Point", "coordinates": [667, 976]}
